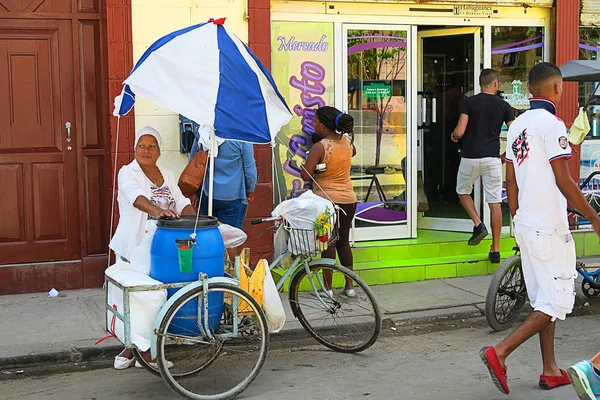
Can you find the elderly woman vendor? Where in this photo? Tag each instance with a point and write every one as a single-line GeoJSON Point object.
{"type": "Point", "coordinates": [145, 191]}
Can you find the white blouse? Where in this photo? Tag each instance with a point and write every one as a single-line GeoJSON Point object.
{"type": "Point", "coordinates": [132, 184]}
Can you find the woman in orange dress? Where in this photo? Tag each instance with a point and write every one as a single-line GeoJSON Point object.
{"type": "Point", "coordinates": [334, 147]}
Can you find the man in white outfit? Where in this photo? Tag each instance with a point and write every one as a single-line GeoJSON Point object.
{"type": "Point", "coordinates": [538, 187]}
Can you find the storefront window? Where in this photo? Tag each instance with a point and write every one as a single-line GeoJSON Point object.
{"type": "Point", "coordinates": [515, 50]}
{"type": "Point", "coordinates": [303, 69]}
{"type": "Point", "coordinates": [377, 66]}
{"type": "Point", "coordinates": [589, 47]}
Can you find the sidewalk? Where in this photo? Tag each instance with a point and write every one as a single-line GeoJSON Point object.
{"type": "Point", "coordinates": [63, 329]}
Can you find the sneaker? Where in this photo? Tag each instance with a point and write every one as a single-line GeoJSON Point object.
{"type": "Point", "coordinates": [551, 382]}
{"type": "Point", "coordinates": [123, 362]}
{"type": "Point", "coordinates": [494, 257]}
{"type": "Point", "coordinates": [479, 233]}
{"type": "Point", "coordinates": [350, 292]}
{"type": "Point", "coordinates": [499, 377]}
{"type": "Point", "coordinates": [585, 381]}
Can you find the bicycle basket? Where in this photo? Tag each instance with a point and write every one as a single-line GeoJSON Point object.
{"type": "Point", "coordinates": [310, 242]}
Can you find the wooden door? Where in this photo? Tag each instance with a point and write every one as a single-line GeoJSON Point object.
{"type": "Point", "coordinates": [39, 199]}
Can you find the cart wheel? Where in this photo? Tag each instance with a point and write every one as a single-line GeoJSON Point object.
{"type": "Point", "coordinates": [218, 361]}
{"type": "Point", "coordinates": [145, 364]}
{"type": "Point", "coordinates": [588, 290]}
{"type": "Point", "coordinates": [506, 295]}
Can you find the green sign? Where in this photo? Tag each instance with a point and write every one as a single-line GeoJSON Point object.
{"type": "Point", "coordinates": [377, 90]}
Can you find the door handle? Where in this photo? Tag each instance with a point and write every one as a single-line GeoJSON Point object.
{"type": "Point", "coordinates": [68, 126]}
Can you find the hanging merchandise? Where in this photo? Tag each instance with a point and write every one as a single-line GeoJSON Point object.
{"type": "Point", "coordinates": [580, 128]}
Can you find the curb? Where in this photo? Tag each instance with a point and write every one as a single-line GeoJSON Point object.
{"type": "Point", "coordinates": [18, 366]}
{"type": "Point", "coordinates": [87, 358]}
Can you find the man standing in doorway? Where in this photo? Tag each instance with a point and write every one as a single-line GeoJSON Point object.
{"type": "Point", "coordinates": [538, 185]}
{"type": "Point", "coordinates": [478, 135]}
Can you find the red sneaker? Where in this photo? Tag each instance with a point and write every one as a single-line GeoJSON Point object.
{"type": "Point", "coordinates": [490, 359]}
{"type": "Point", "coordinates": [551, 382]}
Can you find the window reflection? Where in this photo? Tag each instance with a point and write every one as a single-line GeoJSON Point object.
{"type": "Point", "coordinates": [377, 66]}
{"type": "Point", "coordinates": [515, 50]}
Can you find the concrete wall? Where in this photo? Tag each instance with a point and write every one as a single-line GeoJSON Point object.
{"type": "Point", "coordinates": [152, 19]}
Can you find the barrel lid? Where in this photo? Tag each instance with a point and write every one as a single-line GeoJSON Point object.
{"type": "Point", "coordinates": [188, 221]}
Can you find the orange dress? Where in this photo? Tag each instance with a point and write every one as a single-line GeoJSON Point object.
{"type": "Point", "coordinates": [335, 181]}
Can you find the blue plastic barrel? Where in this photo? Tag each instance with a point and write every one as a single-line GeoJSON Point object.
{"type": "Point", "coordinates": [208, 257]}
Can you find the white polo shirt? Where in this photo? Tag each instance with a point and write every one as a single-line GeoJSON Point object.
{"type": "Point", "coordinates": [536, 139]}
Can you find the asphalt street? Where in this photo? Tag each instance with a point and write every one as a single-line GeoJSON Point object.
{"type": "Point", "coordinates": [439, 361]}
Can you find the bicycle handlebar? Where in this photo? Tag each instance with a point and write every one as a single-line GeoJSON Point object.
{"type": "Point", "coordinates": [588, 179]}
{"type": "Point", "coordinates": [263, 220]}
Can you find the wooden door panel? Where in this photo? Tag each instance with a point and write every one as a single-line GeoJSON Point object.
{"type": "Point", "coordinates": [36, 60]}
{"type": "Point", "coordinates": [49, 201]}
{"type": "Point", "coordinates": [35, 6]}
{"type": "Point", "coordinates": [12, 217]}
{"type": "Point", "coordinates": [30, 109]}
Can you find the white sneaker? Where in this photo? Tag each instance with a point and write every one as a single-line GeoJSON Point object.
{"type": "Point", "coordinates": [123, 362]}
{"type": "Point", "coordinates": [154, 365]}
{"type": "Point", "coordinates": [350, 292]}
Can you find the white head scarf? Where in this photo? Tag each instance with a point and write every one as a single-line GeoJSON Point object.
{"type": "Point", "coordinates": [147, 130]}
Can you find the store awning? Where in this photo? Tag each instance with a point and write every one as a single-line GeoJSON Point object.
{"type": "Point", "coordinates": [581, 71]}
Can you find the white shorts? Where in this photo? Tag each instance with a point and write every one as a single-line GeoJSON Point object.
{"type": "Point", "coordinates": [548, 262]}
{"type": "Point", "coordinates": [490, 170]}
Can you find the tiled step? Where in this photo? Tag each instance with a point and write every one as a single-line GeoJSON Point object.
{"type": "Point", "coordinates": [425, 250]}
{"type": "Point", "coordinates": [445, 255]}
{"type": "Point", "coordinates": [411, 270]}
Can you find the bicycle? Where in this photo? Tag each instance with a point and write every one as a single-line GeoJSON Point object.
{"type": "Point", "coordinates": [316, 287]}
{"type": "Point", "coordinates": [507, 294]}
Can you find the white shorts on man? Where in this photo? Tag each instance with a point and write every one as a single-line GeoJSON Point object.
{"type": "Point", "coordinates": [548, 261]}
{"type": "Point", "coordinates": [490, 171]}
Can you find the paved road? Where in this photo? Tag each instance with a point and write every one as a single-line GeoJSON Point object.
{"type": "Point", "coordinates": [431, 362]}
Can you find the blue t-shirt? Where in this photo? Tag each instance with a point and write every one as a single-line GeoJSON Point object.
{"type": "Point", "coordinates": [235, 171]}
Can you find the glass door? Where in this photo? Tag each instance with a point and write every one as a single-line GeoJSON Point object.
{"type": "Point", "coordinates": [449, 63]}
{"type": "Point", "coordinates": [378, 89]}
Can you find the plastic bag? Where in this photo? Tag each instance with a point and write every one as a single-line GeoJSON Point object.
{"type": "Point", "coordinates": [301, 213]}
{"type": "Point", "coordinates": [143, 306]}
{"type": "Point", "coordinates": [140, 255]}
{"type": "Point", "coordinates": [272, 304]}
{"type": "Point", "coordinates": [232, 237]}
{"type": "Point", "coordinates": [280, 242]}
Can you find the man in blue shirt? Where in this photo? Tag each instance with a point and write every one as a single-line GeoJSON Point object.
{"type": "Point", "coordinates": [235, 180]}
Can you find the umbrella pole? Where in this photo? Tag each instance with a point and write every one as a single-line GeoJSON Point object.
{"type": "Point", "coordinates": [211, 183]}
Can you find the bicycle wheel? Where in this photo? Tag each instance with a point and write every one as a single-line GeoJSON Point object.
{"type": "Point", "coordinates": [344, 324]}
{"type": "Point", "coordinates": [506, 295]}
{"type": "Point", "coordinates": [212, 362]}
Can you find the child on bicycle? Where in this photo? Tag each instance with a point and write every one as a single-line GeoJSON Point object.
{"type": "Point", "coordinates": [538, 188]}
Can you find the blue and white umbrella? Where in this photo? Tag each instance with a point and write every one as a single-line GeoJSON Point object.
{"type": "Point", "coordinates": [209, 75]}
